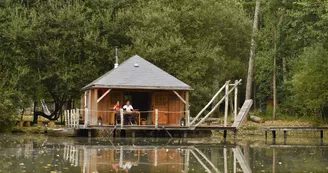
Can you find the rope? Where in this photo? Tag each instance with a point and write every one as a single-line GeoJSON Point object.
{"type": "Point", "coordinates": [172, 112]}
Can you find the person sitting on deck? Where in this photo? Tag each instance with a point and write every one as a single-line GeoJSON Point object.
{"type": "Point", "coordinates": [128, 115]}
{"type": "Point", "coordinates": [117, 108]}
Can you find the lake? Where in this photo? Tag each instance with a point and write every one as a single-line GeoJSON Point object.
{"type": "Point", "coordinates": [40, 153]}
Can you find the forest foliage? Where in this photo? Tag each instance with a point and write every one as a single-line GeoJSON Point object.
{"type": "Point", "coordinates": [51, 49]}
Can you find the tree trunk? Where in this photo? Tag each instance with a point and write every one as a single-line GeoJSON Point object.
{"type": "Point", "coordinates": [35, 115]}
{"type": "Point", "coordinates": [252, 53]}
{"type": "Point", "coordinates": [284, 68]}
{"type": "Point", "coordinates": [274, 71]}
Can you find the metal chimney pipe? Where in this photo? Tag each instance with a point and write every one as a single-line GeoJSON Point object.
{"type": "Point", "coordinates": [116, 58]}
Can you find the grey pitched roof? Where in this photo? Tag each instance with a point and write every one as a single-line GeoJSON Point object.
{"type": "Point", "coordinates": [145, 76]}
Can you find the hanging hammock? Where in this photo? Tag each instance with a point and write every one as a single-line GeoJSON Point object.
{"type": "Point", "coordinates": [45, 108]}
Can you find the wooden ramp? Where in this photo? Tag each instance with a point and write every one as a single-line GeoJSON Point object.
{"type": "Point", "coordinates": [241, 159]}
{"type": "Point", "coordinates": [242, 113]}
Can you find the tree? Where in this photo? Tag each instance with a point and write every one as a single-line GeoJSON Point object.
{"type": "Point", "coordinates": [310, 80]}
{"type": "Point", "coordinates": [252, 53]}
{"type": "Point", "coordinates": [203, 43]}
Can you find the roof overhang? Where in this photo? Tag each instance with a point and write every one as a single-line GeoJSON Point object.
{"type": "Point", "coordinates": [136, 87]}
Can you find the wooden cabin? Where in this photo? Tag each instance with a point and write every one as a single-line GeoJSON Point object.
{"type": "Point", "coordinates": [146, 86]}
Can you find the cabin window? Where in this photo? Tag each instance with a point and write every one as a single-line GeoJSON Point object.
{"type": "Point", "coordinates": [115, 96]}
{"type": "Point", "coordinates": [160, 99]}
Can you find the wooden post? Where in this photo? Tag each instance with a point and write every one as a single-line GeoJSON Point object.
{"type": "Point", "coordinates": [156, 118]}
{"type": "Point", "coordinates": [68, 118]}
{"type": "Point", "coordinates": [321, 134]}
{"type": "Point", "coordinates": [122, 117]}
{"type": "Point", "coordinates": [77, 118]}
{"type": "Point", "coordinates": [266, 135]}
{"type": "Point", "coordinates": [236, 100]}
{"type": "Point", "coordinates": [285, 134]}
{"type": "Point", "coordinates": [224, 134]}
{"type": "Point", "coordinates": [65, 117]}
{"type": "Point", "coordinates": [72, 119]}
{"type": "Point", "coordinates": [188, 119]}
{"type": "Point", "coordinates": [274, 134]}
{"type": "Point", "coordinates": [95, 106]}
{"type": "Point", "coordinates": [226, 104]}
{"type": "Point", "coordinates": [187, 108]}
{"type": "Point", "coordinates": [89, 108]}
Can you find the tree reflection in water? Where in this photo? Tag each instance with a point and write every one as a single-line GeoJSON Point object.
{"type": "Point", "coordinates": [46, 154]}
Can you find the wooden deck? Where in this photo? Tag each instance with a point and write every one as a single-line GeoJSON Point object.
{"type": "Point", "coordinates": [151, 130]}
{"type": "Point", "coordinates": [294, 128]}
{"type": "Point", "coordinates": [152, 127]}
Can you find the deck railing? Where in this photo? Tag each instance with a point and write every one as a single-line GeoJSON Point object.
{"type": "Point", "coordinates": [90, 117]}
{"type": "Point", "coordinates": [72, 118]}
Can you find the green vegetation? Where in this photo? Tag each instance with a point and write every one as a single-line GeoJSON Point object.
{"type": "Point", "coordinates": [50, 49]}
{"type": "Point", "coordinates": [293, 34]}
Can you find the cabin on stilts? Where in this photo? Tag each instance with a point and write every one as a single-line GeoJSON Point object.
{"type": "Point", "coordinates": [160, 103]}
{"type": "Point", "coordinates": [157, 97]}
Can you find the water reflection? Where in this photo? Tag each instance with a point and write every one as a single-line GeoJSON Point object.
{"type": "Point", "coordinates": [97, 158]}
{"type": "Point", "coordinates": [51, 154]}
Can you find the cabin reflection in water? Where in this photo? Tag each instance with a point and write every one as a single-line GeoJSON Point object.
{"type": "Point", "coordinates": [93, 159]}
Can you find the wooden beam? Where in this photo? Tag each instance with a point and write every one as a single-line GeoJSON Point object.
{"type": "Point", "coordinates": [94, 115]}
{"type": "Point", "coordinates": [187, 109]}
{"type": "Point", "coordinates": [176, 93]}
{"type": "Point", "coordinates": [102, 96]}
{"type": "Point", "coordinates": [226, 104]}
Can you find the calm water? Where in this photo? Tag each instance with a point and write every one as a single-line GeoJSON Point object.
{"type": "Point", "coordinates": [38, 153]}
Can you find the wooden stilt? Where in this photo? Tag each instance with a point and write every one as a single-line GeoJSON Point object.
{"type": "Point", "coordinates": [321, 134]}
{"type": "Point", "coordinates": [184, 134]}
{"type": "Point", "coordinates": [274, 134]}
{"type": "Point", "coordinates": [285, 134]}
{"type": "Point", "coordinates": [225, 134]}
{"type": "Point", "coordinates": [266, 135]}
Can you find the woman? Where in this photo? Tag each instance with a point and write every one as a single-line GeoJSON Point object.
{"type": "Point", "coordinates": [117, 108]}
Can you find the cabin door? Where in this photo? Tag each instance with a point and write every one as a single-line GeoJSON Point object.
{"type": "Point", "coordinates": [160, 102]}
{"type": "Point", "coordinates": [175, 111]}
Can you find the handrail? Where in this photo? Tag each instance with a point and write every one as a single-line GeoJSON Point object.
{"type": "Point", "coordinates": [226, 95]}
{"type": "Point", "coordinates": [208, 104]}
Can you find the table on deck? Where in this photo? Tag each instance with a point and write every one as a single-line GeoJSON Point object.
{"type": "Point", "coordinates": [136, 113]}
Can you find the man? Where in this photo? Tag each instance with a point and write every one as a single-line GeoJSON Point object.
{"type": "Point", "coordinates": [128, 115]}
{"type": "Point", "coordinates": [127, 107]}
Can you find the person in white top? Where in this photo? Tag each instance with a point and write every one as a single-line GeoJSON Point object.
{"type": "Point", "coordinates": [128, 107]}
{"type": "Point", "coordinates": [128, 117]}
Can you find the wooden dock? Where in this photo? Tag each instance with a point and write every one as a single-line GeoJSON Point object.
{"type": "Point", "coordinates": [274, 130]}
{"type": "Point", "coordinates": [148, 129]}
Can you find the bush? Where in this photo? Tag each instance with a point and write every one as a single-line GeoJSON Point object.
{"type": "Point", "coordinates": [7, 112]}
